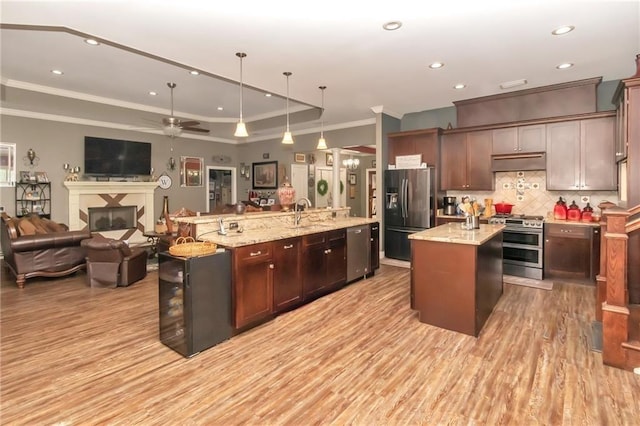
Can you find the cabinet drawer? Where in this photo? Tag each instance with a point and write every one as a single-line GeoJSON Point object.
{"type": "Point", "coordinates": [254, 252]}
{"type": "Point", "coordinates": [319, 238]}
{"type": "Point", "coordinates": [337, 234]}
{"type": "Point", "coordinates": [288, 244]}
{"type": "Point", "coordinates": [568, 231]}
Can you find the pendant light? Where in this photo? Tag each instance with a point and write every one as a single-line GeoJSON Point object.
{"type": "Point", "coordinates": [287, 139]}
{"type": "Point", "coordinates": [241, 128]}
{"type": "Point", "coordinates": [322, 144]}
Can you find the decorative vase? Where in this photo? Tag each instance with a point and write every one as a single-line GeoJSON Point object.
{"type": "Point", "coordinates": [286, 195]}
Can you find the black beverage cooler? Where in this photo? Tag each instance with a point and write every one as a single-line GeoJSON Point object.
{"type": "Point", "coordinates": [195, 301]}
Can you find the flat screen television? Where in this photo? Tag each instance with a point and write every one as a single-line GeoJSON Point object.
{"type": "Point", "coordinates": [113, 157]}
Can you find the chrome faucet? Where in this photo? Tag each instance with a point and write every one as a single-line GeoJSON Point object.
{"type": "Point", "coordinates": [298, 213]}
{"type": "Point", "coordinates": [221, 229]}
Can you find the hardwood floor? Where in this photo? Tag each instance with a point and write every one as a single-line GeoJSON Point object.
{"type": "Point", "coordinates": [72, 355]}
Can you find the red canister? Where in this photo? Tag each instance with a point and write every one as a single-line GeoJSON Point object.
{"type": "Point", "coordinates": [587, 213]}
{"type": "Point", "coordinates": [573, 212]}
{"type": "Point", "coordinates": [560, 210]}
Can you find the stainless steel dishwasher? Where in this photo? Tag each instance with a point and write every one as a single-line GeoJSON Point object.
{"type": "Point", "coordinates": [358, 252]}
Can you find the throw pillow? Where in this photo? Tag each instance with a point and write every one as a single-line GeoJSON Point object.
{"type": "Point", "coordinates": [53, 226]}
{"type": "Point", "coordinates": [25, 227]}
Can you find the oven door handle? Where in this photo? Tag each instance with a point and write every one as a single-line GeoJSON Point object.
{"type": "Point", "coordinates": [524, 246]}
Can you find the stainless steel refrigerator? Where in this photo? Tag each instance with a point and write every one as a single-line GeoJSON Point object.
{"type": "Point", "coordinates": [410, 204]}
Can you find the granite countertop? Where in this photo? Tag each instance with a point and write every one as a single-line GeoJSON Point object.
{"type": "Point", "coordinates": [279, 232]}
{"type": "Point", "coordinates": [453, 233]}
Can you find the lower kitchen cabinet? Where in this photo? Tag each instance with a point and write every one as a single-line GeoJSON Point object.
{"type": "Point", "coordinates": [325, 267]}
{"type": "Point", "coordinates": [571, 252]}
{"type": "Point", "coordinates": [287, 273]}
{"type": "Point", "coordinates": [252, 284]}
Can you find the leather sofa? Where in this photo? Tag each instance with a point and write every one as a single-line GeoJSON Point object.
{"type": "Point", "coordinates": [36, 247]}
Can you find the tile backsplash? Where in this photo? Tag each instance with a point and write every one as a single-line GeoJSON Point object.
{"type": "Point", "coordinates": [527, 191]}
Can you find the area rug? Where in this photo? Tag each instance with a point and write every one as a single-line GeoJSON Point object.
{"type": "Point", "coordinates": [528, 282]}
{"type": "Point", "coordinates": [152, 264]}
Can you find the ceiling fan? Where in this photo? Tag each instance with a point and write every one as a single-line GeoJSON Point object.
{"type": "Point", "coordinates": [173, 127]}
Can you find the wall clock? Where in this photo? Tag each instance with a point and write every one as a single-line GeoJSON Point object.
{"type": "Point", "coordinates": [164, 181]}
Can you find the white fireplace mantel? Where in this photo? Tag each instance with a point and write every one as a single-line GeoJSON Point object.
{"type": "Point", "coordinates": [92, 194]}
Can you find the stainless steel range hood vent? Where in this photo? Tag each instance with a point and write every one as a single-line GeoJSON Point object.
{"type": "Point", "coordinates": [518, 162]}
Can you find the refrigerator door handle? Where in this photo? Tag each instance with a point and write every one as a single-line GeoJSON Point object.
{"type": "Point", "coordinates": [406, 198]}
{"type": "Point", "coordinates": [404, 201]}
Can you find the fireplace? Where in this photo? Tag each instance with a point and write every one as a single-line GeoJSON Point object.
{"type": "Point", "coordinates": [124, 209]}
{"type": "Point", "coordinates": [112, 218]}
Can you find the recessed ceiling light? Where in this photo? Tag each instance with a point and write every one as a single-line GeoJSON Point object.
{"type": "Point", "coordinates": [152, 93]}
{"type": "Point", "coordinates": [392, 25]}
{"type": "Point", "coordinates": [220, 108]}
{"type": "Point", "coordinates": [436, 65]}
{"type": "Point", "coordinates": [563, 30]}
{"type": "Point", "coordinates": [194, 72]}
{"type": "Point", "coordinates": [514, 83]}
{"type": "Point", "coordinates": [268, 95]}
{"type": "Point", "coordinates": [57, 72]}
{"type": "Point", "coordinates": [91, 41]}
{"type": "Point", "coordinates": [459, 86]}
{"type": "Point", "coordinates": [564, 66]}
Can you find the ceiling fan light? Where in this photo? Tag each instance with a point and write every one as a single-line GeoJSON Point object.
{"type": "Point", "coordinates": [322, 144]}
{"type": "Point", "coordinates": [172, 131]}
{"type": "Point", "coordinates": [287, 139]}
{"type": "Point", "coordinates": [241, 130]}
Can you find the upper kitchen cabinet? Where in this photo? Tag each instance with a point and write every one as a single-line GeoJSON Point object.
{"type": "Point", "coordinates": [627, 99]}
{"type": "Point", "coordinates": [581, 154]}
{"type": "Point", "coordinates": [517, 140]}
{"type": "Point", "coordinates": [425, 142]}
{"type": "Point", "coordinates": [466, 161]}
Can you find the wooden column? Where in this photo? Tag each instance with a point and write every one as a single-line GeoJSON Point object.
{"type": "Point", "coordinates": [615, 312]}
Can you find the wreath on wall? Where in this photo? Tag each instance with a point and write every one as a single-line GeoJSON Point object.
{"type": "Point", "coordinates": [323, 187]}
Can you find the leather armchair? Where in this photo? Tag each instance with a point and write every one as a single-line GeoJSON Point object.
{"type": "Point", "coordinates": [111, 263]}
{"type": "Point", "coordinates": [52, 254]}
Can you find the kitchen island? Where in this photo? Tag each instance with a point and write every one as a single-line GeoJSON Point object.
{"type": "Point", "coordinates": [456, 275]}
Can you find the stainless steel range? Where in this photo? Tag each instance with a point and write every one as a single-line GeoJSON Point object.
{"type": "Point", "coordinates": [523, 244]}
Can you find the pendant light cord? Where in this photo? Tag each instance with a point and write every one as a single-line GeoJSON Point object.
{"type": "Point", "coordinates": [287, 74]}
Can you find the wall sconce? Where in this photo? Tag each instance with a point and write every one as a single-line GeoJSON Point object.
{"type": "Point", "coordinates": [31, 159]}
{"type": "Point", "coordinates": [244, 171]}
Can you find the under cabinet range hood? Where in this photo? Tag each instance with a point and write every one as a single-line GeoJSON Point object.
{"type": "Point", "coordinates": [519, 162]}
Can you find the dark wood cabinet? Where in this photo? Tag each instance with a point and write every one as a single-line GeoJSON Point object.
{"type": "Point", "coordinates": [466, 161]}
{"type": "Point", "coordinates": [425, 142]}
{"type": "Point", "coordinates": [627, 99]}
{"type": "Point", "coordinates": [374, 233]}
{"type": "Point", "coordinates": [325, 267]}
{"type": "Point", "coordinates": [252, 284]}
{"type": "Point", "coordinates": [581, 155]}
{"type": "Point", "coordinates": [571, 252]}
{"type": "Point", "coordinates": [519, 140]}
{"type": "Point", "coordinates": [287, 275]}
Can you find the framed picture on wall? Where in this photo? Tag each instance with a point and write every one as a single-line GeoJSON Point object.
{"type": "Point", "coordinates": [265, 175]}
{"type": "Point", "coordinates": [329, 159]}
{"type": "Point", "coordinates": [352, 179]}
{"type": "Point", "coordinates": [300, 157]}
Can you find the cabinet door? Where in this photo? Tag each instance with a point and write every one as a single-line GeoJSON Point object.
{"type": "Point", "coordinates": [598, 171]}
{"type": "Point", "coordinates": [253, 284]}
{"type": "Point", "coordinates": [567, 252]}
{"type": "Point", "coordinates": [401, 145]}
{"type": "Point", "coordinates": [313, 272]}
{"type": "Point", "coordinates": [336, 259]}
{"type": "Point", "coordinates": [287, 278]}
{"type": "Point", "coordinates": [563, 155]}
{"type": "Point", "coordinates": [505, 141]}
{"type": "Point", "coordinates": [453, 173]}
{"type": "Point", "coordinates": [532, 138]}
{"type": "Point", "coordinates": [479, 174]}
